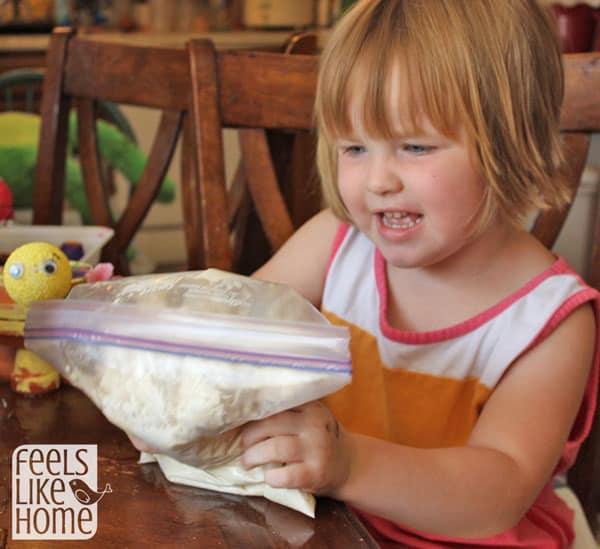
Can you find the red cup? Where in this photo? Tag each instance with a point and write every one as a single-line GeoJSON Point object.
{"type": "Point", "coordinates": [596, 40]}
{"type": "Point", "coordinates": [575, 27]}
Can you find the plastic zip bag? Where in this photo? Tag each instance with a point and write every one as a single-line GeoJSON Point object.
{"type": "Point", "coordinates": [179, 361]}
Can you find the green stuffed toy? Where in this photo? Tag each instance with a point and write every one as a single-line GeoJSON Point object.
{"type": "Point", "coordinates": [19, 137]}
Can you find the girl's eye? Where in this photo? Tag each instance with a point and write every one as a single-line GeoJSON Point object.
{"type": "Point", "coordinates": [416, 149]}
{"type": "Point", "coordinates": [353, 150]}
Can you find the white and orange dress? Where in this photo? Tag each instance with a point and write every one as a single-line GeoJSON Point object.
{"type": "Point", "coordinates": [427, 389]}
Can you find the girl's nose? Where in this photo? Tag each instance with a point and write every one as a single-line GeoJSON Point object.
{"type": "Point", "coordinates": [382, 179]}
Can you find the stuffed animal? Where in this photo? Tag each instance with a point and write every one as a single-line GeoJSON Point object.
{"type": "Point", "coordinates": [33, 272]}
{"type": "Point", "coordinates": [19, 137]}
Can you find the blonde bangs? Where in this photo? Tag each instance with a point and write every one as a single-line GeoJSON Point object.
{"type": "Point", "coordinates": [387, 76]}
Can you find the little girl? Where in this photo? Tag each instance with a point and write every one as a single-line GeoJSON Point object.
{"type": "Point", "coordinates": [473, 346]}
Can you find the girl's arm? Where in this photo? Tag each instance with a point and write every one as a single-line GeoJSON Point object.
{"type": "Point", "coordinates": [302, 261]}
{"type": "Point", "coordinates": [478, 490]}
{"type": "Point", "coordinates": [485, 487]}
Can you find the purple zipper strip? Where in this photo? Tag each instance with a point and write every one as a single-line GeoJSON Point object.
{"type": "Point", "coordinates": [201, 351]}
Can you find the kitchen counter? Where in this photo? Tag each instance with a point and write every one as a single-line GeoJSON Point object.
{"type": "Point", "coordinates": [225, 39]}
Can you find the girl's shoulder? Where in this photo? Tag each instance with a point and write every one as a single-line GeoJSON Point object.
{"type": "Point", "coordinates": [302, 261]}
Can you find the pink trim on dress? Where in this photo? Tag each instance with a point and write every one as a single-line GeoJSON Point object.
{"type": "Point", "coordinates": [340, 235]}
{"type": "Point", "coordinates": [558, 267]}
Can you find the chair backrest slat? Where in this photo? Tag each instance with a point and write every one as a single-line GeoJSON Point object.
{"type": "Point", "coordinates": [148, 186]}
{"type": "Point", "coordinates": [211, 196]}
{"type": "Point", "coordinates": [48, 198]}
{"type": "Point", "coordinates": [279, 88]}
{"type": "Point", "coordinates": [96, 190]}
{"type": "Point", "coordinates": [93, 67]}
{"type": "Point", "coordinates": [262, 183]}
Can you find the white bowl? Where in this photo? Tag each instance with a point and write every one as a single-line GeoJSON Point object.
{"type": "Point", "coordinates": [91, 237]}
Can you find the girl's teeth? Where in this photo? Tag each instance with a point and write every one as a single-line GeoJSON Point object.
{"type": "Point", "coordinates": [400, 220]}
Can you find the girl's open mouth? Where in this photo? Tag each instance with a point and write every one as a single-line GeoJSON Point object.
{"type": "Point", "coordinates": [400, 220]}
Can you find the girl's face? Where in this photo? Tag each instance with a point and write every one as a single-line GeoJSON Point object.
{"type": "Point", "coordinates": [414, 196]}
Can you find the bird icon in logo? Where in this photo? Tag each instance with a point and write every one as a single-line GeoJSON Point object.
{"type": "Point", "coordinates": [84, 494]}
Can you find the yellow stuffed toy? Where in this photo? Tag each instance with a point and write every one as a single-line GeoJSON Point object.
{"type": "Point", "coordinates": [32, 272]}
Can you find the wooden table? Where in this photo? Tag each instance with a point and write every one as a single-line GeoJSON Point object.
{"type": "Point", "coordinates": [144, 509]}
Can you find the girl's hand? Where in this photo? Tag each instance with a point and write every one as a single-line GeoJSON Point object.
{"type": "Point", "coordinates": [306, 445]}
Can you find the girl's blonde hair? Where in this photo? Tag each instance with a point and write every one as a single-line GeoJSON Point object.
{"type": "Point", "coordinates": [491, 68]}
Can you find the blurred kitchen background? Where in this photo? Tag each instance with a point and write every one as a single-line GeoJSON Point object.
{"type": "Point", "coordinates": [168, 15]}
{"type": "Point", "coordinates": [25, 25]}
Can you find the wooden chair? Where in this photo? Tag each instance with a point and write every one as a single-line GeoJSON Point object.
{"type": "Point", "coordinates": [82, 72]}
{"type": "Point", "coordinates": [255, 92]}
